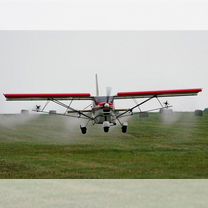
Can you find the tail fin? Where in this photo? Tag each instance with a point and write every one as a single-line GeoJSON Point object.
{"type": "Point", "coordinates": [97, 88]}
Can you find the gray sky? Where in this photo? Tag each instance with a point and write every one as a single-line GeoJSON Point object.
{"type": "Point", "coordinates": [66, 61]}
{"type": "Point", "coordinates": [103, 14]}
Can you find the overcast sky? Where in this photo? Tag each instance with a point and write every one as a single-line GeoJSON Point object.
{"type": "Point", "coordinates": [52, 53]}
{"type": "Point", "coordinates": [66, 61]}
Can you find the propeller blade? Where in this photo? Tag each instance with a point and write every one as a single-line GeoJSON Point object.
{"type": "Point", "coordinates": [108, 93]}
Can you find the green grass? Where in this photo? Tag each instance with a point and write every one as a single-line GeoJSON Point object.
{"type": "Point", "coordinates": [47, 147]}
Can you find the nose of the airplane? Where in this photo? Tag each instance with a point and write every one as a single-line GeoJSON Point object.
{"type": "Point", "coordinates": [106, 105]}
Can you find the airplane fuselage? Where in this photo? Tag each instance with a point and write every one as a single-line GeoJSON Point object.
{"type": "Point", "coordinates": [104, 110]}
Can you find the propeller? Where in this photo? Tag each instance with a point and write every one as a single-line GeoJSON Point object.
{"type": "Point", "coordinates": [166, 104]}
{"type": "Point", "coordinates": [108, 93]}
{"type": "Point", "coordinates": [37, 108]}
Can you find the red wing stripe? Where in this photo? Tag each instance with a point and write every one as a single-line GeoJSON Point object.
{"type": "Point", "coordinates": [61, 95]}
{"type": "Point", "coordinates": [160, 92]}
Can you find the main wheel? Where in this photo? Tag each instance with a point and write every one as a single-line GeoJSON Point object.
{"type": "Point", "coordinates": [124, 129]}
{"type": "Point", "coordinates": [83, 130]}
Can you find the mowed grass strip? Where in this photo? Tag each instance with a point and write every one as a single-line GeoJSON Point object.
{"type": "Point", "coordinates": [155, 147]}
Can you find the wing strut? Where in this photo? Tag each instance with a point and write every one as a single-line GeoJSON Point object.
{"type": "Point", "coordinates": [131, 109]}
{"type": "Point", "coordinates": [80, 112]}
{"type": "Point", "coordinates": [68, 107]}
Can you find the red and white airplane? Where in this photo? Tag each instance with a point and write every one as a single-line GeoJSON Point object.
{"type": "Point", "coordinates": [102, 110]}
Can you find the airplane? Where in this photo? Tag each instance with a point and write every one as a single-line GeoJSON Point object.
{"type": "Point", "coordinates": [102, 110]}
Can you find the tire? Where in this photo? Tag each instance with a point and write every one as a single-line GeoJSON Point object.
{"type": "Point", "coordinates": [106, 129]}
{"type": "Point", "coordinates": [84, 130]}
{"type": "Point", "coordinates": [124, 129]}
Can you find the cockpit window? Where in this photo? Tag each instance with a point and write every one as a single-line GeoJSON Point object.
{"type": "Point", "coordinates": [102, 99]}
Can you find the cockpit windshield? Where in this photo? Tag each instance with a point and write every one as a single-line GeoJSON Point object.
{"type": "Point", "coordinates": [102, 99]}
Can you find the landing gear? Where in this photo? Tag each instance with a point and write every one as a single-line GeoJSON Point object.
{"type": "Point", "coordinates": [106, 126]}
{"type": "Point", "coordinates": [83, 129]}
{"type": "Point", "coordinates": [106, 129]}
{"type": "Point", "coordinates": [124, 127]}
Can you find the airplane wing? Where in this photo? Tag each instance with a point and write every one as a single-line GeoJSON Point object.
{"type": "Point", "coordinates": [60, 96]}
{"type": "Point", "coordinates": [158, 93]}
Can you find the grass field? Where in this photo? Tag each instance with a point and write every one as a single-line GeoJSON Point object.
{"type": "Point", "coordinates": [154, 147]}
